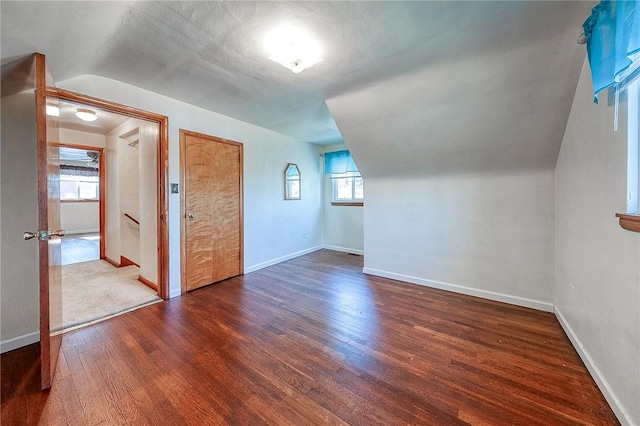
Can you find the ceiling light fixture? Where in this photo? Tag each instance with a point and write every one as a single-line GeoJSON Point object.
{"type": "Point", "coordinates": [53, 110]}
{"type": "Point", "coordinates": [292, 48]}
{"type": "Point", "coordinates": [86, 114]}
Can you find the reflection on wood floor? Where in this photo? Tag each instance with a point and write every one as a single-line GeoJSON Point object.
{"type": "Point", "coordinates": [312, 341]}
{"type": "Point", "coordinates": [80, 248]}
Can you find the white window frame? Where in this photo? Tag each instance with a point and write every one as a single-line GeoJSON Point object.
{"type": "Point", "coordinates": [631, 219]}
{"type": "Point", "coordinates": [80, 180]}
{"type": "Point", "coordinates": [353, 200]}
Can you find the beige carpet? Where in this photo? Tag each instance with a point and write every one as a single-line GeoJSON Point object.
{"type": "Point", "coordinates": [97, 289]}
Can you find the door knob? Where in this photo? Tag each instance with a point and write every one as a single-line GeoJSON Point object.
{"type": "Point", "coordinates": [191, 215]}
{"type": "Point", "coordinates": [43, 235]}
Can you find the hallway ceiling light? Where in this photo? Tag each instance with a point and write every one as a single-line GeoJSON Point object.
{"type": "Point", "coordinates": [292, 48]}
{"type": "Point", "coordinates": [86, 114]}
{"type": "Point", "coordinates": [53, 110]}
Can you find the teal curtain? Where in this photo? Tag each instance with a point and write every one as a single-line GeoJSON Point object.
{"type": "Point", "coordinates": [613, 43]}
{"type": "Point", "coordinates": [339, 162]}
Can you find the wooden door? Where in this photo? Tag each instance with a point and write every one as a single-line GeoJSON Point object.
{"type": "Point", "coordinates": [212, 212]}
{"type": "Point", "coordinates": [48, 219]}
{"type": "Point", "coordinates": [30, 188]}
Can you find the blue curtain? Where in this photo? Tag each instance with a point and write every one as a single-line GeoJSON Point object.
{"type": "Point", "coordinates": [339, 162]}
{"type": "Point", "coordinates": [613, 38]}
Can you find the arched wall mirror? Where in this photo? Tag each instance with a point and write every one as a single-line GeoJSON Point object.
{"type": "Point", "coordinates": [291, 182]}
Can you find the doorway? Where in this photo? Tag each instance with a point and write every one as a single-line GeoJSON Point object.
{"type": "Point", "coordinates": [81, 202]}
{"type": "Point", "coordinates": [211, 209]}
{"type": "Point", "coordinates": [128, 271]}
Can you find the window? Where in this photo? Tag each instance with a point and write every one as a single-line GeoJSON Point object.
{"type": "Point", "coordinates": [631, 220]}
{"type": "Point", "coordinates": [347, 184]}
{"type": "Point", "coordinates": [347, 189]}
{"type": "Point", "coordinates": [77, 188]}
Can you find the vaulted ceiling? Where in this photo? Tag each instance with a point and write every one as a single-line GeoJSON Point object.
{"type": "Point", "coordinates": [508, 69]}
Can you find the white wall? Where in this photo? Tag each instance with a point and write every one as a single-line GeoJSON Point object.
{"type": "Point", "coordinates": [80, 217]}
{"type": "Point", "coordinates": [343, 226]}
{"type": "Point", "coordinates": [489, 235]}
{"type": "Point", "coordinates": [129, 180]}
{"type": "Point", "coordinates": [148, 201]}
{"type": "Point", "coordinates": [77, 137]}
{"type": "Point", "coordinates": [274, 229]}
{"type": "Point", "coordinates": [597, 264]}
{"type": "Point", "coordinates": [19, 266]}
{"type": "Point", "coordinates": [112, 202]}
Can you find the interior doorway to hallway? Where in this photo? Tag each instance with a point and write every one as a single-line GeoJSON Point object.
{"type": "Point", "coordinates": [112, 204]}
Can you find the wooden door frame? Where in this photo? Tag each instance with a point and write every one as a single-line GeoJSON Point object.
{"type": "Point", "coordinates": [183, 198]}
{"type": "Point", "coordinates": [102, 188]}
{"type": "Point", "coordinates": [162, 165]}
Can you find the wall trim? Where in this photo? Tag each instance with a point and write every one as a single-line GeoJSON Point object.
{"type": "Point", "coordinates": [617, 407]}
{"type": "Point", "coordinates": [176, 292]}
{"type": "Point", "coordinates": [290, 256]}
{"type": "Point", "coordinates": [20, 341]}
{"type": "Point", "coordinates": [111, 261]}
{"type": "Point", "coordinates": [344, 249]}
{"type": "Point", "coordinates": [485, 294]}
{"type": "Point", "coordinates": [148, 283]}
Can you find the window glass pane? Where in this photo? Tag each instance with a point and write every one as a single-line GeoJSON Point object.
{"type": "Point", "coordinates": [87, 190]}
{"type": "Point", "coordinates": [358, 189]}
{"type": "Point", "coordinates": [68, 190]}
{"type": "Point", "coordinates": [79, 187]}
{"type": "Point", "coordinates": [344, 189]}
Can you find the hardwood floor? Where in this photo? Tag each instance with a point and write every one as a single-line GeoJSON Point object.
{"type": "Point", "coordinates": [307, 342]}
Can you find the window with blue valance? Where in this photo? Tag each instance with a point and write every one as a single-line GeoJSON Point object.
{"type": "Point", "coordinates": [613, 44]}
{"type": "Point", "coordinates": [339, 163]}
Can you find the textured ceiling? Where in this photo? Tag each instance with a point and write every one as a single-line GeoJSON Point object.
{"type": "Point", "coordinates": [210, 54]}
{"type": "Point", "coordinates": [496, 102]}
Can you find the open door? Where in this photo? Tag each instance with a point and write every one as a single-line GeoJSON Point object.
{"type": "Point", "coordinates": [30, 211]}
{"type": "Point", "coordinates": [48, 134]}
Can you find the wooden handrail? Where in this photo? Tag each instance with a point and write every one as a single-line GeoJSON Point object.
{"type": "Point", "coordinates": [128, 216]}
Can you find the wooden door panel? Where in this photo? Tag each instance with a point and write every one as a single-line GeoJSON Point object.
{"type": "Point", "coordinates": [49, 219]}
{"type": "Point", "coordinates": [225, 170]}
{"type": "Point", "coordinates": [199, 237]}
{"type": "Point", "coordinates": [212, 209]}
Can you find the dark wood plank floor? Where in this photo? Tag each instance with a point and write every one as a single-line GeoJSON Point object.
{"type": "Point", "coordinates": [307, 342]}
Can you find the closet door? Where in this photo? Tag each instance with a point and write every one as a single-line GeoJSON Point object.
{"type": "Point", "coordinates": [212, 233]}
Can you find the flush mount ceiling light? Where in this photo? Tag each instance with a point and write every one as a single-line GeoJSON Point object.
{"type": "Point", "coordinates": [292, 48]}
{"type": "Point", "coordinates": [53, 110]}
{"type": "Point", "coordinates": [86, 114]}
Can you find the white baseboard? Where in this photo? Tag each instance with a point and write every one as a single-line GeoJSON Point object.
{"type": "Point", "coordinates": [175, 293]}
{"type": "Point", "coordinates": [617, 407]}
{"type": "Point", "coordinates": [499, 297]}
{"type": "Point", "coordinates": [20, 341]}
{"type": "Point", "coordinates": [290, 256]}
{"type": "Point", "coordinates": [344, 249]}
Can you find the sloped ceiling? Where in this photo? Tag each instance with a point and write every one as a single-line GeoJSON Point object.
{"type": "Point", "coordinates": [440, 65]}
